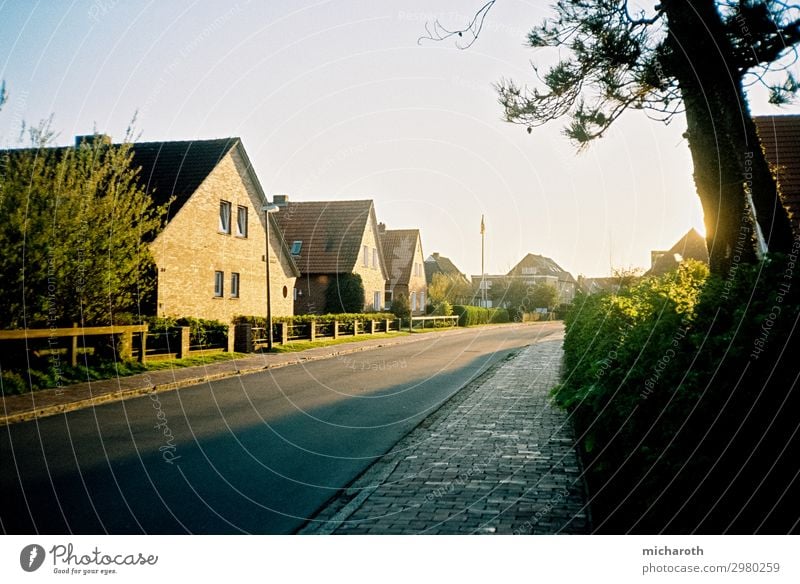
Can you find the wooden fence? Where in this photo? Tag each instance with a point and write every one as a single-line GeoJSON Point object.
{"type": "Point", "coordinates": [137, 341]}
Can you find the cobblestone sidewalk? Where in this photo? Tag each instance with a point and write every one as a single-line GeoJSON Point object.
{"type": "Point", "coordinates": [497, 458]}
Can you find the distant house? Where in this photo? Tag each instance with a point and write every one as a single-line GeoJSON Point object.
{"type": "Point", "coordinates": [597, 285]}
{"type": "Point", "coordinates": [780, 137]}
{"type": "Point", "coordinates": [532, 269]}
{"type": "Point", "coordinates": [210, 254]}
{"type": "Point", "coordinates": [690, 246]}
{"type": "Point", "coordinates": [329, 238]}
{"type": "Point", "coordinates": [439, 264]}
{"type": "Point", "coordinates": [402, 250]}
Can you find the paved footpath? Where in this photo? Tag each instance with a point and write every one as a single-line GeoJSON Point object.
{"type": "Point", "coordinates": [496, 458]}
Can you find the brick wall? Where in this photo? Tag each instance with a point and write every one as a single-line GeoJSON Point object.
{"type": "Point", "coordinates": [191, 249]}
{"type": "Point", "coordinates": [373, 276]}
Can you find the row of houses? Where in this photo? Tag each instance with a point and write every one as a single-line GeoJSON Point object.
{"type": "Point", "coordinates": [211, 255]}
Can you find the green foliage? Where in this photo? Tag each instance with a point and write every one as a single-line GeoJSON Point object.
{"type": "Point", "coordinates": [345, 294]}
{"type": "Point", "coordinates": [542, 295]}
{"type": "Point", "coordinates": [343, 318]}
{"type": "Point", "coordinates": [74, 235]}
{"type": "Point", "coordinates": [452, 288]}
{"type": "Point", "coordinates": [401, 307]}
{"type": "Point", "coordinates": [680, 391]}
{"type": "Point", "coordinates": [475, 315]}
{"type": "Point", "coordinates": [444, 308]}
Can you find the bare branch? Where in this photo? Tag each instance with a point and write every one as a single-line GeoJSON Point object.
{"type": "Point", "coordinates": [437, 32]}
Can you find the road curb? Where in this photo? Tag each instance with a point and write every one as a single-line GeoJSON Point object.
{"type": "Point", "coordinates": [121, 395]}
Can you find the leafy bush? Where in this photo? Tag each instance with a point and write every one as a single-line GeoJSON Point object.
{"type": "Point", "coordinates": [475, 315]}
{"type": "Point", "coordinates": [680, 391]}
{"type": "Point", "coordinates": [343, 318]}
{"type": "Point", "coordinates": [345, 294]}
{"type": "Point", "coordinates": [401, 307]}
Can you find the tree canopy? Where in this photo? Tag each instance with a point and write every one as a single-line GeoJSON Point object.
{"type": "Point", "coordinates": [74, 234]}
{"type": "Point", "coordinates": [345, 293]}
{"type": "Point", "coordinates": [671, 58]}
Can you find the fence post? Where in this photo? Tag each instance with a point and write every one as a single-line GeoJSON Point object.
{"type": "Point", "coordinates": [243, 338]}
{"type": "Point", "coordinates": [386, 324]}
{"type": "Point", "coordinates": [183, 346]}
{"type": "Point", "coordinates": [372, 327]}
{"type": "Point", "coordinates": [73, 348]}
{"type": "Point", "coordinates": [355, 327]}
{"type": "Point", "coordinates": [284, 332]}
{"type": "Point", "coordinates": [143, 344]}
{"type": "Point", "coordinates": [312, 330]}
{"type": "Point", "coordinates": [335, 329]}
{"type": "Point", "coordinates": [230, 338]}
{"type": "Point", "coordinates": [126, 345]}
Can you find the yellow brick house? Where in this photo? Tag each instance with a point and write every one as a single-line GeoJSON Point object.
{"type": "Point", "coordinates": [210, 254]}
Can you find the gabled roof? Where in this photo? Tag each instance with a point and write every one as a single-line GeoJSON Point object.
{"type": "Point", "coordinates": [178, 168]}
{"type": "Point", "coordinates": [439, 264]}
{"type": "Point", "coordinates": [690, 246]}
{"type": "Point", "coordinates": [330, 233]}
{"type": "Point", "coordinates": [780, 136]}
{"type": "Point", "coordinates": [399, 246]}
{"type": "Point", "coordinates": [543, 266]}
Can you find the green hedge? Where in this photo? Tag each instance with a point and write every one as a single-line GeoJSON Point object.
{"type": "Point", "coordinates": [679, 390]}
{"type": "Point", "coordinates": [345, 318]}
{"type": "Point", "coordinates": [202, 331]}
{"type": "Point", "coordinates": [475, 315]}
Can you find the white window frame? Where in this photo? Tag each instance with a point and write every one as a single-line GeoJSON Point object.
{"type": "Point", "coordinates": [376, 300]}
{"type": "Point", "coordinates": [374, 258]}
{"type": "Point", "coordinates": [225, 217]}
{"type": "Point", "coordinates": [366, 256]}
{"type": "Point", "coordinates": [241, 221]}
{"type": "Point", "coordinates": [235, 281]}
{"type": "Point", "coordinates": [219, 284]}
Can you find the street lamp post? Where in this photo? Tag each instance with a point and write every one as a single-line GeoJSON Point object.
{"type": "Point", "coordinates": [268, 208]}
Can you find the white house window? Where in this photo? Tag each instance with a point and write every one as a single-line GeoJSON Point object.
{"type": "Point", "coordinates": [241, 221]}
{"type": "Point", "coordinates": [224, 217]}
{"type": "Point", "coordinates": [234, 285]}
{"type": "Point", "coordinates": [413, 302]}
{"type": "Point", "coordinates": [219, 284]}
{"type": "Point", "coordinates": [374, 258]}
{"type": "Point", "coordinates": [366, 256]}
{"type": "Point", "coordinates": [376, 301]}
{"type": "Point", "coordinates": [422, 300]}
{"type": "Point", "coordinates": [296, 247]}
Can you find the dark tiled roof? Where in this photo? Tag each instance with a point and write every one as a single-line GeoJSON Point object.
{"type": "Point", "coordinates": [593, 285]}
{"type": "Point", "coordinates": [178, 168]}
{"type": "Point", "coordinates": [690, 246]}
{"type": "Point", "coordinates": [780, 136]}
{"type": "Point", "coordinates": [544, 266]}
{"type": "Point", "coordinates": [330, 231]}
{"type": "Point", "coordinates": [438, 264]}
{"type": "Point", "coordinates": [399, 246]}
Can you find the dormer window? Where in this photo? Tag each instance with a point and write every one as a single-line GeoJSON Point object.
{"type": "Point", "coordinates": [296, 247]}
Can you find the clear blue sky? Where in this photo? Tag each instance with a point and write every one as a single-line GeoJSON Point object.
{"type": "Point", "coordinates": [336, 100]}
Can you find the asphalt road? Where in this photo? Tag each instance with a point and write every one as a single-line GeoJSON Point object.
{"type": "Point", "coordinates": [254, 454]}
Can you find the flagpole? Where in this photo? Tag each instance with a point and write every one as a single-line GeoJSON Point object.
{"type": "Point", "coordinates": [483, 271]}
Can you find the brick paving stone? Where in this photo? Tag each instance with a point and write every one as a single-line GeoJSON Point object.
{"type": "Point", "coordinates": [497, 458]}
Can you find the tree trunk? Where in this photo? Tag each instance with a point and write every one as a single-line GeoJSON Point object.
{"type": "Point", "coordinates": [728, 160]}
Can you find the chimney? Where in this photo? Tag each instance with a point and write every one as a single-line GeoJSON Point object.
{"type": "Point", "coordinates": [381, 228]}
{"type": "Point", "coordinates": [90, 139]}
{"type": "Point", "coordinates": [435, 255]}
{"type": "Point", "coordinates": [280, 200]}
